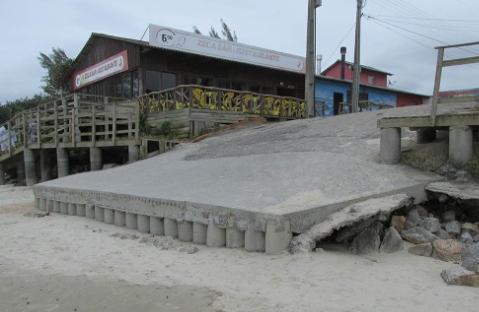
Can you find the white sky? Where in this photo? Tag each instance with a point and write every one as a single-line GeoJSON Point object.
{"type": "Point", "coordinates": [28, 27]}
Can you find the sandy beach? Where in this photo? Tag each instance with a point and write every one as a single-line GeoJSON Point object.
{"type": "Point", "coordinates": [62, 263]}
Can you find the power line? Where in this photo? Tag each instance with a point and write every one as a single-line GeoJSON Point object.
{"type": "Point", "coordinates": [401, 34]}
{"type": "Point", "coordinates": [340, 43]}
{"type": "Point", "coordinates": [429, 18]}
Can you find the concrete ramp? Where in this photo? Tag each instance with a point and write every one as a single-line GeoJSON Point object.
{"type": "Point", "coordinates": [244, 187]}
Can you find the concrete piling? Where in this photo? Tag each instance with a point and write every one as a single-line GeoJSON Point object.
{"type": "Point", "coordinates": [90, 211]}
{"type": "Point", "coordinates": [63, 163]}
{"type": "Point", "coordinates": [30, 172]}
{"type": "Point", "coordinates": [199, 233]}
{"type": "Point", "coordinates": [81, 210]}
{"type": "Point", "coordinates": [185, 231]}
{"type": "Point", "coordinates": [56, 206]}
{"type": "Point", "coordinates": [45, 165]}
{"type": "Point", "coordinates": [278, 237]}
{"type": "Point", "coordinates": [64, 208]}
{"type": "Point", "coordinates": [99, 213]}
{"type": "Point", "coordinates": [133, 153]}
{"type": "Point", "coordinates": [170, 227]}
{"type": "Point", "coordinates": [460, 145]}
{"type": "Point", "coordinates": [119, 217]}
{"type": "Point", "coordinates": [20, 172]}
{"type": "Point", "coordinates": [156, 226]}
{"type": "Point", "coordinates": [390, 145]}
{"type": "Point", "coordinates": [254, 240]}
{"type": "Point", "coordinates": [143, 223]}
{"type": "Point", "coordinates": [108, 216]}
{"type": "Point", "coordinates": [234, 238]}
{"type": "Point", "coordinates": [2, 174]}
{"type": "Point", "coordinates": [72, 209]}
{"type": "Point", "coordinates": [96, 159]}
{"type": "Point", "coordinates": [131, 221]}
{"type": "Point", "coordinates": [49, 205]}
{"type": "Point", "coordinates": [215, 236]}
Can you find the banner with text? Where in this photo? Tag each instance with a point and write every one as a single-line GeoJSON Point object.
{"type": "Point", "coordinates": [173, 39]}
{"type": "Point", "coordinates": [113, 65]}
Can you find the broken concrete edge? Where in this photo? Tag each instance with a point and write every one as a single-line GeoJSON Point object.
{"type": "Point", "coordinates": [464, 191]}
{"type": "Point", "coordinates": [304, 220]}
{"type": "Point", "coordinates": [347, 216]}
{"type": "Point", "coordinates": [276, 229]}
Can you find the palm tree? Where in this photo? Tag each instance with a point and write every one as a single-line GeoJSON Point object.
{"type": "Point", "coordinates": [226, 31]}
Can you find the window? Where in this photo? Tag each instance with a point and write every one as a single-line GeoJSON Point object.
{"type": "Point", "coordinates": [371, 80]}
{"type": "Point", "coordinates": [157, 81]}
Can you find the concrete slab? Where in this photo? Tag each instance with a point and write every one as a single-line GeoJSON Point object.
{"type": "Point", "coordinates": [464, 191]}
{"type": "Point", "coordinates": [297, 172]}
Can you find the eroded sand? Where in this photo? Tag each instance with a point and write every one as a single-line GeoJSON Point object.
{"type": "Point", "coordinates": [64, 256]}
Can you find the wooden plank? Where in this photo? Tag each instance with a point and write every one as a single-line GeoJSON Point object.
{"type": "Point", "coordinates": [424, 121]}
{"type": "Point", "coordinates": [437, 84]}
{"type": "Point", "coordinates": [459, 45]}
{"type": "Point", "coordinates": [93, 125]}
{"type": "Point", "coordinates": [55, 121]}
{"type": "Point", "coordinates": [113, 139]}
{"type": "Point", "coordinates": [9, 124]}
{"type": "Point", "coordinates": [461, 61]}
{"type": "Point", "coordinates": [24, 130]}
{"type": "Point", "coordinates": [39, 130]}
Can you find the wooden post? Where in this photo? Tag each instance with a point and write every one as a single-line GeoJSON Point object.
{"type": "Point", "coordinates": [137, 124]}
{"type": "Point", "coordinates": [64, 119]}
{"type": "Point", "coordinates": [38, 127]}
{"type": "Point", "coordinates": [9, 124]}
{"type": "Point", "coordinates": [93, 125]}
{"type": "Point", "coordinates": [75, 107]}
{"type": "Point", "coordinates": [55, 121]}
{"type": "Point", "coordinates": [113, 126]}
{"type": "Point", "coordinates": [437, 84]}
{"type": "Point", "coordinates": [24, 130]}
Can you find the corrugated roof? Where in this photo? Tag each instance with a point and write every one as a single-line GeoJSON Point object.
{"type": "Point", "coordinates": [362, 66]}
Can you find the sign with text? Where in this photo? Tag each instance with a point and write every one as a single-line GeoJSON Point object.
{"type": "Point", "coordinates": [113, 65]}
{"type": "Point", "coordinates": [178, 40]}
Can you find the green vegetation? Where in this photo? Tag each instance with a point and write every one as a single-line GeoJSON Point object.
{"type": "Point", "coordinates": [10, 108]}
{"type": "Point", "coordinates": [58, 66]}
{"type": "Point", "coordinates": [226, 31]}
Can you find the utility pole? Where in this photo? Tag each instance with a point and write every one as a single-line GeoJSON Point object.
{"type": "Point", "coordinates": [357, 58]}
{"type": "Point", "coordinates": [310, 59]}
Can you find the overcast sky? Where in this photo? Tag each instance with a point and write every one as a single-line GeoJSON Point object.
{"type": "Point", "coordinates": [399, 38]}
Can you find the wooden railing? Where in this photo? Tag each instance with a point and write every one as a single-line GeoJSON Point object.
{"type": "Point", "coordinates": [216, 99]}
{"type": "Point", "coordinates": [76, 120]}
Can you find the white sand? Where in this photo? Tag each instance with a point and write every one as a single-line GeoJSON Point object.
{"type": "Point", "coordinates": [324, 281]}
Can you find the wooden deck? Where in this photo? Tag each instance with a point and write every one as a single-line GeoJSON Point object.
{"type": "Point", "coordinates": [463, 111]}
{"type": "Point", "coordinates": [74, 121]}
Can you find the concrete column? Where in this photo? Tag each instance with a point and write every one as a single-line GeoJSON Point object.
{"type": "Point", "coordinates": [390, 145]}
{"type": "Point", "coordinates": [254, 240]}
{"type": "Point", "coordinates": [108, 216]}
{"type": "Point", "coordinates": [215, 236]}
{"type": "Point", "coordinates": [43, 204]}
{"type": "Point", "coordinates": [45, 165]}
{"type": "Point", "coordinates": [50, 204]}
{"type": "Point", "coordinates": [199, 233]}
{"type": "Point", "coordinates": [234, 238]}
{"type": "Point", "coordinates": [426, 135]}
{"type": "Point", "coordinates": [119, 218]}
{"type": "Point", "coordinates": [185, 231]}
{"type": "Point", "coordinates": [143, 223]}
{"type": "Point", "coordinates": [156, 226]}
{"type": "Point", "coordinates": [64, 208]}
{"type": "Point", "coordinates": [90, 211]}
{"type": "Point", "coordinates": [20, 173]}
{"type": "Point", "coordinates": [63, 163]}
{"type": "Point", "coordinates": [30, 173]}
{"type": "Point", "coordinates": [133, 153]}
{"type": "Point", "coordinates": [278, 237]}
{"type": "Point", "coordinates": [56, 206]}
{"type": "Point", "coordinates": [130, 221]}
{"type": "Point", "coordinates": [2, 174]}
{"type": "Point", "coordinates": [81, 210]}
{"type": "Point", "coordinates": [72, 209]}
{"type": "Point", "coordinates": [170, 227]}
{"type": "Point", "coordinates": [96, 159]}
{"type": "Point", "coordinates": [37, 202]}
{"type": "Point", "coordinates": [460, 145]}
{"type": "Point", "coordinates": [99, 214]}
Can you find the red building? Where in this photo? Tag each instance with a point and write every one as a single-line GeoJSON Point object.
{"type": "Point", "coordinates": [369, 75]}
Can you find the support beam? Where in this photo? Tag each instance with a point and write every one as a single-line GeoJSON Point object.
{"type": "Point", "coordinates": [185, 231]}
{"type": "Point", "coordinates": [171, 227]}
{"type": "Point", "coordinates": [199, 233]}
{"type": "Point", "coordinates": [63, 163]}
{"type": "Point", "coordinates": [254, 240]}
{"type": "Point", "coordinates": [30, 173]}
{"type": "Point", "coordinates": [131, 221]}
{"type": "Point", "coordinates": [234, 238]}
{"type": "Point", "coordinates": [2, 174]}
{"type": "Point", "coordinates": [143, 223]}
{"type": "Point", "coordinates": [45, 165]}
{"type": "Point", "coordinates": [108, 216]}
{"type": "Point", "coordinates": [20, 173]}
{"type": "Point", "coordinates": [119, 218]}
{"type": "Point", "coordinates": [156, 226]}
{"type": "Point", "coordinates": [96, 159]}
{"type": "Point", "coordinates": [460, 145]}
{"type": "Point", "coordinates": [278, 236]}
{"type": "Point", "coordinates": [390, 145]}
{"type": "Point", "coordinates": [215, 236]}
{"type": "Point", "coordinates": [133, 153]}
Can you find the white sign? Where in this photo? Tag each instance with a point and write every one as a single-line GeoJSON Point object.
{"type": "Point", "coordinates": [106, 68]}
{"type": "Point", "coordinates": [173, 39]}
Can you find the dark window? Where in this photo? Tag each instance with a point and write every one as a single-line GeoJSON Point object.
{"type": "Point", "coordinates": [168, 80]}
{"type": "Point", "coordinates": [156, 81]}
